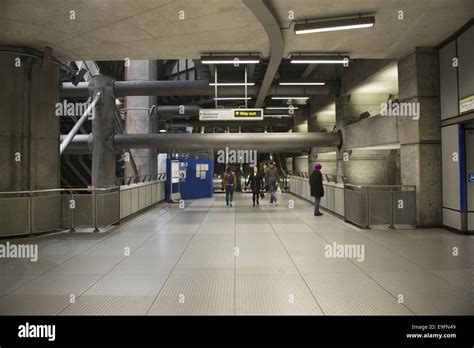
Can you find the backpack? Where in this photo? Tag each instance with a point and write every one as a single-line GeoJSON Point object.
{"type": "Point", "coordinates": [229, 179]}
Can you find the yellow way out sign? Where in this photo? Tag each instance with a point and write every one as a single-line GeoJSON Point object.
{"type": "Point", "coordinates": [230, 114]}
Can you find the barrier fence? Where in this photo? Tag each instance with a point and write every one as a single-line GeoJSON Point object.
{"type": "Point", "coordinates": [363, 205]}
{"type": "Point", "coordinates": [40, 211]}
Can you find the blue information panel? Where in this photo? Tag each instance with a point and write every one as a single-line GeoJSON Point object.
{"type": "Point", "coordinates": [470, 177]}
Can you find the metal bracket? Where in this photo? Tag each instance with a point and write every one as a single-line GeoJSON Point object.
{"type": "Point", "coordinates": [99, 95]}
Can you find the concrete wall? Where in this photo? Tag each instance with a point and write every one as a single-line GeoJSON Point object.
{"type": "Point", "coordinates": [457, 82]}
{"type": "Point", "coordinates": [28, 125]}
{"type": "Point", "coordinates": [300, 163]}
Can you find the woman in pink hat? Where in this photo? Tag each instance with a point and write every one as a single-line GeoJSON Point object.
{"type": "Point", "coordinates": [317, 189]}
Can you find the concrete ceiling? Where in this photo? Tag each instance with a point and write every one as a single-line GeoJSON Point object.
{"type": "Point", "coordinates": [151, 29]}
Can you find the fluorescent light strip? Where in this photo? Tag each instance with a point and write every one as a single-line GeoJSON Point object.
{"type": "Point", "coordinates": [232, 84]}
{"type": "Point", "coordinates": [346, 27]}
{"type": "Point", "coordinates": [284, 98]}
{"type": "Point", "coordinates": [230, 61]}
{"type": "Point", "coordinates": [232, 98]}
{"type": "Point", "coordinates": [302, 83]}
{"type": "Point", "coordinates": [335, 25]}
{"type": "Point", "coordinates": [319, 61]}
{"type": "Point", "coordinates": [277, 116]}
{"type": "Point", "coordinates": [281, 108]}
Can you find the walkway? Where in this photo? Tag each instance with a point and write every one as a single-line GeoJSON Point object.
{"type": "Point", "coordinates": [211, 259]}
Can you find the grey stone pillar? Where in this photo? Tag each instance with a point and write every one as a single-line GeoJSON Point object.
{"type": "Point", "coordinates": [322, 117]}
{"type": "Point", "coordinates": [29, 127]}
{"type": "Point", "coordinates": [103, 130]}
{"type": "Point", "coordinates": [420, 153]}
{"type": "Point", "coordinates": [138, 120]}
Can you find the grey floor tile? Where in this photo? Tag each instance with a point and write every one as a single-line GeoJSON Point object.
{"type": "Point", "coordinates": [274, 294]}
{"type": "Point", "coordinates": [352, 294]}
{"type": "Point", "coordinates": [196, 294]}
{"type": "Point", "coordinates": [427, 294]}
{"type": "Point", "coordinates": [118, 295]}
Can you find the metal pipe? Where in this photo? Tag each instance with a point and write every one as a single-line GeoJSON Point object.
{"type": "Point", "coordinates": [246, 87]}
{"type": "Point", "coordinates": [78, 124]}
{"type": "Point", "coordinates": [68, 90]}
{"type": "Point", "coordinates": [197, 88]}
{"type": "Point", "coordinates": [175, 110]}
{"type": "Point", "coordinates": [244, 141]}
{"type": "Point", "coordinates": [215, 86]}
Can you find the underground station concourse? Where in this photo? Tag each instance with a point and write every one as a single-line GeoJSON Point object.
{"type": "Point", "coordinates": [125, 125]}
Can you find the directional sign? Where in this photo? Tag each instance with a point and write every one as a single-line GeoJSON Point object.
{"type": "Point", "coordinates": [231, 114]}
{"type": "Point", "coordinates": [253, 113]}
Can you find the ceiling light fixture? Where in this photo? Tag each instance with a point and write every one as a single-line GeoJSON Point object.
{"type": "Point", "coordinates": [335, 24]}
{"type": "Point", "coordinates": [281, 107]}
{"type": "Point", "coordinates": [232, 98]}
{"type": "Point", "coordinates": [302, 83]}
{"type": "Point", "coordinates": [230, 60]}
{"type": "Point", "coordinates": [320, 59]}
{"type": "Point", "coordinates": [231, 84]}
{"type": "Point", "coordinates": [277, 116]}
{"type": "Point", "coordinates": [295, 98]}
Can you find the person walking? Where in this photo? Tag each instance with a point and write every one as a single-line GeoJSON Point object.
{"type": "Point", "coordinates": [229, 181]}
{"type": "Point", "coordinates": [272, 182]}
{"type": "Point", "coordinates": [255, 181]}
{"type": "Point", "coordinates": [317, 189]}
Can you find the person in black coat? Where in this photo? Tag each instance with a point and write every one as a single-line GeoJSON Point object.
{"type": "Point", "coordinates": [317, 189]}
{"type": "Point", "coordinates": [255, 181]}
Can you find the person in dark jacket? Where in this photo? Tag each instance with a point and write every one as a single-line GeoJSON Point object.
{"type": "Point", "coordinates": [255, 181]}
{"type": "Point", "coordinates": [317, 189]}
{"type": "Point", "coordinates": [271, 179]}
{"type": "Point", "coordinates": [229, 182]}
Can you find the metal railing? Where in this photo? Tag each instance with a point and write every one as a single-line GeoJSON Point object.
{"type": "Point", "coordinates": [39, 211]}
{"type": "Point", "coordinates": [391, 205]}
{"type": "Point", "coordinates": [335, 178]}
{"type": "Point", "coordinates": [363, 205]}
{"type": "Point", "coordinates": [140, 179]}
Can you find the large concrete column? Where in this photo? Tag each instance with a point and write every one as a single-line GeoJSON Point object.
{"type": "Point", "coordinates": [138, 121]}
{"type": "Point", "coordinates": [29, 127]}
{"type": "Point", "coordinates": [322, 117]}
{"type": "Point", "coordinates": [420, 153]}
{"type": "Point", "coordinates": [300, 125]}
{"type": "Point", "coordinates": [103, 130]}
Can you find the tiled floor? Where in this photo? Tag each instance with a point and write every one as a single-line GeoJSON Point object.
{"type": "Point", "coordinates": [211, 259]}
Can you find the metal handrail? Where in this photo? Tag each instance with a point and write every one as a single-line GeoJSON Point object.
{"type": "Point", "coordinates": [128, 180]}
{"type": "Point", "coordinates": [379, 186]}
{"type": "Point", "coordinates": [62, 189]}
{"type": "Point", "coordinates": [336, 178]}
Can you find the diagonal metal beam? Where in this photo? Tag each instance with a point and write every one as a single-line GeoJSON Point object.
{"type": "Point", "coordinates": [262, 10]}
{"type": "Point", "coordinates": [307, 72]}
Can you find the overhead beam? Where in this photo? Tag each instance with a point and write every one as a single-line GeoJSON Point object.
{"type": "Point", "coordinates": [262, 10]}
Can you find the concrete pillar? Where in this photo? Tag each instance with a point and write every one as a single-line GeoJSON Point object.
{"type": "Point", "coordinates": [103, 130]}
{"type": "Point", "coordinates": [322, 117]}
{"type": "Point", "coordinates": [138, 121]}
{"type": "Point", "coordinates": [420, 153]}
{"type": "Point", "coordinates": [29, 127]}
